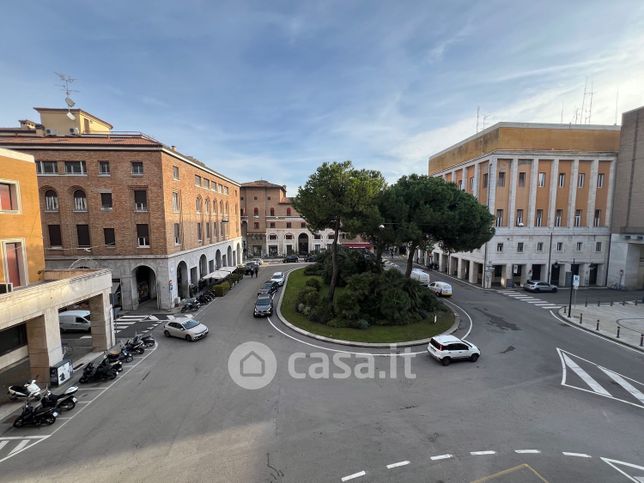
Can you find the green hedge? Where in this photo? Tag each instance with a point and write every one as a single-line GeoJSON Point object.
{"type": "Point", "coordinates": [221, 289]}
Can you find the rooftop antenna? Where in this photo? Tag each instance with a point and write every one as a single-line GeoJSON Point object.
{"type": "Point", "coordinates": [583, 104]}
{"type": "Point", "coordinates": [66, 87]}
{"type": "Point", "coordinates": [562, 109]}
{"type": "Point", "coordinates": [478, 112]}
{"type": "Point", "coordinates": [590, 103]}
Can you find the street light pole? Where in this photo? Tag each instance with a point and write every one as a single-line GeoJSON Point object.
{"type": "Point", "coordinates": [571, 288]}
{"type": "Point", "coordinates": [549, 258]}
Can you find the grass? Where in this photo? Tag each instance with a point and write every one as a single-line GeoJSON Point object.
{"type": "Point", "coordinates": [375, 333]}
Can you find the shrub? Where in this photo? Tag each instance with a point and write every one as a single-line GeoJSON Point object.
{"type": "Point", "coordinates": [221, 289]}
{"type": "Point", "coordinates": [338, 323]}
{"type": "Point", "coordinates": [315, 269]}
{"type": "Point", "coordinates": [395, 306]}
{"type": "Point", "coordinates": [322, 313]}
{"type": "Point", "coordinates": [314, 282]}
{"type": "Point", "coordinates": [361, 324]}
{"type": "Point", "coordinates": [308, 296]}
{"type": "Point", "coordinates": [348, 305]}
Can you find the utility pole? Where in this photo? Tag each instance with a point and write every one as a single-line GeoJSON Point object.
{"type": "Point", "coordinates": [571, 288]}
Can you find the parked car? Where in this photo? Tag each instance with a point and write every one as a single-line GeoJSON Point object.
{"type": "Point", "coordinates": [538, 286]}
{"type": "Point", "coordinates": [447, 348]}
{"type": "Point", "coordinates": [279, 278]}
{"type": "Point", "coordinates": [258, 261]}
{"type": "Point", "coordinates": [311, 257]}
{"type": "Point", "coordinates": [263, 306]}
{"type": "Point", "coordinates": [75, 320]}
{"type": "Point", "coordinates": [442, 289]}
{"type": "Point", "coordinates": [249, 269]}
{"type": "Point", "coordinates": [269, 288]}
{"type": "Point", "coordinates": [188, 329]}
{"type": "Point", "coordinates": [421, 276]}
{"type": "Point", "coordinates": [291, 259]}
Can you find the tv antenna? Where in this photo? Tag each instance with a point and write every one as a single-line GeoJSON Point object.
{"type": "Point", "coordinates": [66, 87]}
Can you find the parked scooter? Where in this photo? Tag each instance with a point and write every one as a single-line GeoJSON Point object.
{"type": "Point", "coordinates": [123, 355]}
{"type": "Point", "coordinates": [116, 365]}
{"type": "Point", "coordinates": [64, 402]}
{"type": "Point", "coordinates": [29, 390]}
{"type": "Point", "coordinates": [148, 340]}
{"type": "Point", "coordinates": [36, 416]}
{"type": "Point", "coordinates": [190, 305]}
{"type": "Point", "coordinates": [100, 372]}
{"type": "Point", "coordinates": [134, 346]}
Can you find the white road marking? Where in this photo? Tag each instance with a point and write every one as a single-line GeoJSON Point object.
{"type": "Point", "coordinates": [125, 322]}
{"type": "Point", "coordinates": [440, 457]}
{"type": "Point", "coordinates": [481, 453]}
{"type": "Point", "coordinates": [636, 479]}
{"type": "Point", "coordinates": [578, 455]}
{"type": "Point", "coordinates": [150, 328]}
{"type": "Point", "coordinates": [527, 451]}
{"type": "Point", "coordinates": [467, 315]}
{"type": "Point", "coordinates": [624, 383]}
{"type": "Point", "coordinates": [152, 317]}
{"type": "Point", "coordinates": [20, 446]}
{"type": "Point", "coordinates": [355, 475]}
{"type": "Point", "coordinates": [397, 465]}
{"type": "Point", "coordinates": [3, 444]}
{"type": "Point", "coordinates": [595, 386]}
{"type": "Point", "coordinates": [85, 336]}
{"type": "Point", "coordinates": [140, 317]}
{"type": "Point", "coordinates": [551, 306]}
{"type": "Point", "coordinates": [25, 437]}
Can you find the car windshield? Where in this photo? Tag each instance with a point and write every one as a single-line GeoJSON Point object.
{"type": "Point", "coordinates": [263, 301]}
{"type": "Point", "coordinates": [190, 324]}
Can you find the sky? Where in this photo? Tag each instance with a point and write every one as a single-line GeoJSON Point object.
{"type": "Point", "coordinates": [270, 90]}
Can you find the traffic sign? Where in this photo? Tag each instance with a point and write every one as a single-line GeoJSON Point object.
{"type": "Point", "coordinates": [575, 281]}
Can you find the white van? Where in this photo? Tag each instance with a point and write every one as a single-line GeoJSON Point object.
{"type": "Point", "coordinates": [422, 277]}
{"type": "Point", "coordinates": [75, 320]}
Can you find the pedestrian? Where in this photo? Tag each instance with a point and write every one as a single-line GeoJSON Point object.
{"type": "Point", "coordinates": [256, 270]}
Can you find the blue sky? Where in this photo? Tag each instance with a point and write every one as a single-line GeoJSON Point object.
{"type": "Point", "coordinates": [272, 89]}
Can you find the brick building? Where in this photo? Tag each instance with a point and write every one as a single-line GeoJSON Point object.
{"type": "Point", "coordinates": [158, 219]}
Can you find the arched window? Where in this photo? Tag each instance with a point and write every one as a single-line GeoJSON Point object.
{"type": "Point", "coordinates": [226, 207]}
{"type": "Point", "coordinates": [198, 205]}
{"type": "Point", "coordinates": [288, 212]}
{"type": "Point", "coordinates": [272, 211]}
{"type": "Point", "coordinates": [255, 211]}
{"type": "Point", "coordinates": [221, 207]}
{"type": "Point", "coordinates": [207, 206]}
{"type": "Point", "coordinates": [51, 200]}
{"type": "Point", "coordinates": [80, 201]}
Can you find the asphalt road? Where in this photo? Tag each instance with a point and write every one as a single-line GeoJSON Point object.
{"type": "Point", "coordinates": [178, 416]}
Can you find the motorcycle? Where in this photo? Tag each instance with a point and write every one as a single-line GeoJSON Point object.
{"type": "Point", "coordinates": [36, 417]}
{"type": "Point", "coordinates": [123, 355]}
{"type": "Point", "coordinates": [135, 346]}
{"type": "Point", "coordinates": [100, 372]}
{"type": "Point", "coordinates": [190, 305]}
{"type": "Point", "coordinates": [30, 390]}
{"type": "Point", "coordinates": [65, 401]}
{"type": "Point", "coordinates": [148, 340]}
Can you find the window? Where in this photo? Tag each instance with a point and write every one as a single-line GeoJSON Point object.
{"type": "Point", "coordinates": [288, 224]}
{"type": "Point", "coordinates": [522, 179]}
{"type": "Point", "coordinates": [106, 201]}
{"type": "Point", "coordinates": [499, 217]}
{"type": "Point", "coordinates": [255, 211]}
{"type": "Point", "coordinates": [501, 181]}
{"type": "Point", "coordinates": [75, 167]}
{"type": "Point", "coordinates": [137, 168]}
{"type": "Point", "coordinates": [272, 211]}
{"type": "Point", "coordinates": [539, 219]}
{"type": "Point", "coordinates": [484, 180]}
{"type": "Point", "coordinates": [256, 225]}
{"type": "Point", "coordinates": [598, 246]}
{"type": "Point", "coordinates": [600, 180]}
{"type": "Point", "coordinates": [175, 202]}
{"type": "Point", "coordinates": [51, 200]}
{"type": "Point", "coordinates": [46, 167]}
{"type": "Point", "coordinates": [302, 225]}
{"type": "Point", "coordinates": [208, 232]}
{"type": "Point", "coordinates": [80, 201]}
{"type": "Point", "coordinates": [110, 238]}
{"type": "Point", "coordinates": [268, 197]}
{"type": "Point", "coordinates": [82, 232]}
{"type": "Point", "coordinates": [225, 190]}
{"type": "Point", "coordinates": [558, 215]}
{"type": "Point", "coordinates": [579, 245]}
{"type": "Point", "coordinates": [317, 236]}
{"type": "Point", "coordinates": [198, 205]}
{"type": "Point", "coordinates": [207, 206]}
{"type": "Point", "coordinates": [541, 180]}
{"type": "Point", "coordinates": [143, 235]}
{"type": "Point", "coordinates": [272, 224]}
{"type": "Point", "coordinates": [562, 180]}
{"type": "Point", "coordinates": [460, 184]}
{"type": "Point", "coordinates": [499, 247]}
{"type": "Point", "coordinates": [520, 247]}
{"type": "Point", "coordinates": [197, 180]}
{"type": "Point", "coordinates": [13, 338]}
{"type": "Point", "coordinates": [559, 246]}
{"type": "Point", "coordinates": [288, 236]}
{"type": "Point", "coordinates": [288, 212]}
{"type": "Point", "coordinates": [140, 200]}
{"type": "Point", "coordinates": [103, 168]}
{"type": "Point", "coordinates": [580, 180]}
{"type": "Point", "coordinates": [539, 246]}
{"type": "Point", "coordinates": [221, 189]}
{"type": "Point", "coordinates": [272, 237]}
{"type": "Point", "coordinates": [177, 234]}
{"type": "Point", "coordinates": [199, 232]}
{"type": "Point", "coordinates": [175, 172]}
{"type": "Point", "coordinates": [577, 217]}
{"type": "Point", "coordinates": [471, 183]}
{"type": "Point", "coordinates": [206, 183]}
{"type": "Point", "coordinates": [597, 219]}
{"type": "Point", "coordinates": [55, 239]}
{"type": "Point", "coordinates": [519, 217]}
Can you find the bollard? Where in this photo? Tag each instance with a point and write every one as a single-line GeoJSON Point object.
{"type": "Point", "coordinates": [618, 327]}
{"type": "Point", "coordinates": [624, 302]}
{"type": "Point", "coordinates": [611, 303]}
{"type": "Point", "coordinates": [581, 318]}
{"type": "Point", "coordinates": [586, 304]}
{"type": "Point", "coordinates": [598, 303]}
{"type": "Point", "coordinates": [597, 328]}
{"type": "Point", "coordinates": [636, 301]}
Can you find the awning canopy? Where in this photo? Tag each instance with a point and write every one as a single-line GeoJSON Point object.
{"type": "Point", "coordinates": [223, 272]}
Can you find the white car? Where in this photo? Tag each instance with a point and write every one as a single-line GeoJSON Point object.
{"type": "Point", "coordinates": [278, 277]}
{"type": "Point", "coordinates": [258, 261]}
{"type": "Point", "coordinates": [447, 348]}
{"type": "Point", "coordinates": [443, 289]}
{"type": "Point", "coordinates": [188, 329]}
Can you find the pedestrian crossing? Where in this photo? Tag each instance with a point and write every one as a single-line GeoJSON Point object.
{"type": "Point", "coordinates": [529, 299]}
{"type": "Point", "coordinates": [12, 445]}
{"type": "Point", "coordinates": [584, 375]}
{"type": "Point", "coordinates": [142, 323]}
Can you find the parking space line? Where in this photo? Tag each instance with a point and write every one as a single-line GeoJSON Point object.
{"type": "Point", "coordinates": [578, 455]}
{"type": "Point", "coordinates": [353, 476]}
{"type": "Point", "coordinates": [440, 457]}
{"type": "Point", "coordinates": [397, 465]}
{"type": "Point", "coordinates": [482, 453]}
{"type": "Point", "coordinates": [527, 451]}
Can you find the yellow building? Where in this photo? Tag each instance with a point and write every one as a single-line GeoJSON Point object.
{"type": "Point", "coordinates": [64, 122]}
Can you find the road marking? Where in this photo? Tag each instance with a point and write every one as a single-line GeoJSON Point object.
{"type": "Point", "coordinates": [595, 386]}
{"type": "Point", "coordinates": [20, 446]}
{"type": "Point", "coordinates": [551, 306]}
{"type": "Point", "coordinates": [527, 451]}
{"type": "Point", "coordinates": [397, 465]}
{"type": "Point", "coordinates": [355, 475]}
{"type": "Point", "coordinates": [140, 317]}
{"type": "Point", "coordinates": [624, 383]}
{"type": "Point", "coordinates": [153, 317]}
{"type": "Point", "coordinates": [578, 455]}
{"type": "Point", "coordinates": [635, 478]}
{"type": "Point", "coordinates": [509, 471]}
{"type": "Point", "coordinates": [125, 323]}
{"type": "Point", "coordinates": [3, 444]}
{"type": "Point", "coordinates": [481, 453]}
{"type": "Point", "coordinates": [467, 315]}
{"type": "Point", "coordinates": [441, 457]}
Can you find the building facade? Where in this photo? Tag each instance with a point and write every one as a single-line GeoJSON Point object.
{"type": "Point", "coordinates": [31, 296]}
{"type": "Point", "coordinates": [158, 219]}
{"type": "Point", "coordinates": [626, 267]}
{"type": "Point", "coordinates": [550, 188]}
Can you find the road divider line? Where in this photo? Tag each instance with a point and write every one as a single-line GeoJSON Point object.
{"type": "Point", "coordinates": [527, 451]}
{"type": "Point", "coordinates": [595, 386]}
{"type": "Point", "coordinates": [441, 457]}
{"type": "Point", "coordinates": [353, 476]}
{"type": "Point", "coordinates": [577, 455]}
{"type": "Point", "coordinates": [624, 383]}
{"type": "Point", "coordinates": [397, 465]}
{"type": "Point", "coordinates": [482, 453]}
{"type": "Point", "coordinates": [20, 446]}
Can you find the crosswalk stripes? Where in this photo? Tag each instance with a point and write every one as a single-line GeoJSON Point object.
{"type": "Point", "coordinates": [599, 380]}
{"type": "Point", "coordinates": [530, 299]}
{"type": "Point", "coordinates": [11, 446]}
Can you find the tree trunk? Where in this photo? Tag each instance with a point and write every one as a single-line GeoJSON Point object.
{"type": "Point", "coordinates": [334, 266]}
{"type": "Point", "coordinates": [379, 249]}
{"type": "Point", "coordinates": [410, 260]}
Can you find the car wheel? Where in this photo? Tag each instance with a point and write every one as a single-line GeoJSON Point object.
{"type": "Point", "coordinates": [474, 357]}
{"type": "Point", "coordinates": [166, 333]}
{"type": "Point", "coordinates": [129, 358]}
{"type": "Point", "coordinates": [446, 361]}
{"type": "Point", "coordinates": [188, 338]}
{"type": "Point", "coordinates": [554, 290]}
{"type": "Point", "coordinates": [537, 290]}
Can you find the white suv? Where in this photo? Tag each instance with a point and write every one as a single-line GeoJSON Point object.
{"type": "Point", "coordinates": [278, 277]}
{"type": "Point", "coordinates": [446, 348]}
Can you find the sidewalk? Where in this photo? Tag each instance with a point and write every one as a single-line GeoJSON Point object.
{"type": "Point", "coordinates": [621, 323]}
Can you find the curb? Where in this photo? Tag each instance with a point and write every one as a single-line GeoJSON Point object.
{"type": "Point", "coordinates": [452, 329]}
{"type": "Point", "coordinates": [571, 322]}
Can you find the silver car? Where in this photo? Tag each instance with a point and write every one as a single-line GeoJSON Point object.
{"type": "Point", "coordinates": [188, 329]}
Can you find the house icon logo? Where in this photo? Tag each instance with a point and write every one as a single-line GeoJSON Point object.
{"type": "Point", "coordinates": [252, 365]}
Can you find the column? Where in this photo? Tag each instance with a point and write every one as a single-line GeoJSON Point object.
{"type": "Point", "coordinates": [592, 193]}
{"type": "Point", "coordinates": [473, 269]}
{"type": "Point", "coordinates": [441, 262]}
{"type": "Point", "coordinates": [611, 190]}
{"type": "Point", "coordinates": [44, 344]}
{"type": "Point", "coordinates": [513, 191]}
{"type": "Point", "coordinates": [129, 292]}
{"type": "Point", "coordinates": [477, 175]}
{"type": "Point", "coordinates": [572, 194]}
{"type": "Point", "coordinates": [460, 271]}
{"type": "Point", "coordinates": [103, 337]}
{"type": "Point", "coordinates": [491, 181]}
{"type": "Point", "coordinates": [552, 199]}
{"type": "Point", "coordinates": [532, 203]}
{"type": "Point", "coordinates": [507, 281]}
